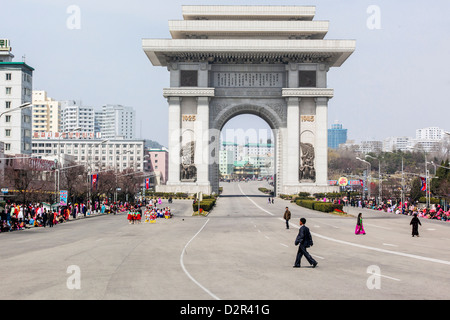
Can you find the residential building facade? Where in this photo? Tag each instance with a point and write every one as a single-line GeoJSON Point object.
{"type": "Point", "coordinates": [116, 155]}
{"type": "Point", "coordinates": [116, 121]}
{"type": "Point", "coordinates": [75, 116]}
{"type": "Point", "coordinates": [16, 84]}
{"type": "Point", "coordinates": [46, 113]}
{"type": "Point", "coordinates": [157, 162]}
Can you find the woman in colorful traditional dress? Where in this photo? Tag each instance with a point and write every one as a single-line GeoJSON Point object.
{"type": "Point", "coordinates": [130, 217]}
{"type": "Point", "coordinates": [138, 216]}
{"type": "Point", "coordinates": [359, 225]}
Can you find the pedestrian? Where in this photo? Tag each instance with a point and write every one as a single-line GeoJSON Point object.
{"type": "Point", "coordinates": [44, 218]}
{"type": "Point", "coordinates": [50, 218]}
{"type": "Point", "coordinates": [415, 225]}
{"type": "Point", "coordinates": [287, 217]}
{"type": "Point", "coordinates": [304, 241]}
{"type": "Point", "coordinates": [269, 201]}
{"type": "Point", "coordinates": [359, 225]}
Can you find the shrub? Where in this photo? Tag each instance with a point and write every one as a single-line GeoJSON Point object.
{"type": "Point", "coordinates": [319, 206]}
{"type": "Point", "coordinates": [205, 204]}
{"type": "Point", "coordinates": [327, 207]}
{"type": "Point", "coordinates": [306, 203]}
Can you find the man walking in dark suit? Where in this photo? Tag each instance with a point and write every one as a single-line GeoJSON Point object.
{"type": "Point", "coordinates": [303, 241]}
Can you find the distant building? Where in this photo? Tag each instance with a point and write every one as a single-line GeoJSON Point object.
{"type": "Point", "coordinates": [226, 158]}
{"type": "Point", "coordinates": [157, 162]}
{"type": "Point", "coordinates": [232, 147]}
{"type": "Point", "coordinates": [16, 85]}
{"type": "Point", "coordinates": [46, 113]}
{"type": "Point", "coordinates": [75, 116]}
{"type": "Point", "coordinates": [396, 144]}
{"type": "Point", "coordinates": [244, 170]}
{"type": "Point", "coordinates": [117, 155]}
{"type": "Point", "coordinates": [370, 147]}
{"type": "Point", "coordinates": [431, 133]}
{"type": "Point", "coordinates": [116, 122]}
{"type": "Point", "coordinates": [336, 136]}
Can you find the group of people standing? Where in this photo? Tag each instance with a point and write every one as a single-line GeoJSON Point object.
{"type": "Point", "coordinates": [150, 212]}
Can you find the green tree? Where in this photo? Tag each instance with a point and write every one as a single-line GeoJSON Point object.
{"type": "Point", "coordinates": [415, 192]}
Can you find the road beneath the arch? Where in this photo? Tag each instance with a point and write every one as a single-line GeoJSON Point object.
{"type": "Point", "coordinates": [242, 250]}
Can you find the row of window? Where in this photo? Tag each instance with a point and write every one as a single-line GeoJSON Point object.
{"type": "Point", "coordinates": [25, 77]}
{"type": "Point", "coordinates": [83, 145]}
{"type": "Point", "coordinates": [25, 91]}
{"type": "Point", "coordinates": [25, 119]}
{"type": "Point", "coordinates": [25, 146]}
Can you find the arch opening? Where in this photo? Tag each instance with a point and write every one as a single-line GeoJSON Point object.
{"type": "Point", "coordinates": [247, 149]}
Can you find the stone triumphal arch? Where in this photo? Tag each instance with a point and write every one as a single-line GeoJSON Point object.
{"type": "Point", "coordinates": [271, 61]}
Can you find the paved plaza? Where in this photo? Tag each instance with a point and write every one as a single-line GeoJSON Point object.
{"type": "Point", "coordinates": [240, 251]}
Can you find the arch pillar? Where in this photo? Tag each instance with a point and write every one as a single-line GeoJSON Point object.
{"type": "Point", "coordinates": [188, 111]}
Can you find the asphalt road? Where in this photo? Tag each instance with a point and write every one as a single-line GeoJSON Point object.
{"type": "Point", "coordinates": [240, 251]}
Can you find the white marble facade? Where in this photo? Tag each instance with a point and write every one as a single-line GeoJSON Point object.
{"type": "Point", "coordinates": [222, 65]}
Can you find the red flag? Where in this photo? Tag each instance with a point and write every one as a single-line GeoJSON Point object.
{"type": "Point", "coordinates": [147, 183]}
{"type": "Point", "coordinates": [94, 181]}
{"type": "Point", "coordinates": [424, 184]}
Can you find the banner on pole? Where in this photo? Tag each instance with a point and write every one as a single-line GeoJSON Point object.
{"type": "Point", "coordinates": [94, 181]}
{"type": "Point", "coordinates": [424, 184]}
{"type": "Point", "coordinates": [63, 194]}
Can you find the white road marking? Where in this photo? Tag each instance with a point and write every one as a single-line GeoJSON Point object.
{"type": "Point", "coordinates": [255, 203]}
{"type": "Point", "coordinates": [267, 237]}
{"type": "Point", "coordinates": [413, 256]}
{"type": "Point", "coordinates": [390, 245]}
{"type": "Point", "coordinates": [284, 245]}
{"type": "Point", "coordinates": [382, 275]}
{"type": "Point", "coordinates": [374, 225]}
{"type": "Point", "coordinates": [184, 268]}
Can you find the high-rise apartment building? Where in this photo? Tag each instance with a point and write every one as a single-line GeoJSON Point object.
{"type": "Point", "coordinates": [76, 117]}
{"type": "Point", "coordinates": [431, 133]}
{"type": "Point", "coordinates": [46, 113]}
{"type": "Point", "coordinates": [116, 121]}
{"type": "Point", "coordinates": [336, 135]}
{"type": "Point", "coordinates": [16, 85]}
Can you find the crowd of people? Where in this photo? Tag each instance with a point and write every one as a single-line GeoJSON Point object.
{"type": "Point", "coordinates": [19, 217]}
{"type": "Point", "coordinates": [16, 216]}
{"type": "Point", "coordinates": [434, 211]}
{"type": "Point", "coordinates": [149, 211]}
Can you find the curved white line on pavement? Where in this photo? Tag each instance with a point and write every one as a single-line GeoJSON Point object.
{"type": "Point", "coordinates": [254, 202]}
{"type": "Point", "coordinates": [360, 245]}
{"type": "Point", "coordinates": [184, 268]}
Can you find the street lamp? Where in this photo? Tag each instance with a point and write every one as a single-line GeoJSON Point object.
{"type": "Point", "coordinates": [379, 178]}
{"type": "Point", "coordinates": [427, 195]}
{"type": "Point", "coordinates": [59, 160]}
{"type": "Point", "coordinates": [88, 162]}
{"type": "Point", "coordinates": [368, 174]}
{"type": "Point", "coordinates": [22, 106]}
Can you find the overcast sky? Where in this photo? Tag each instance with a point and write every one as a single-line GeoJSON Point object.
{"type": "Point", "coordinates": [397, 80]}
